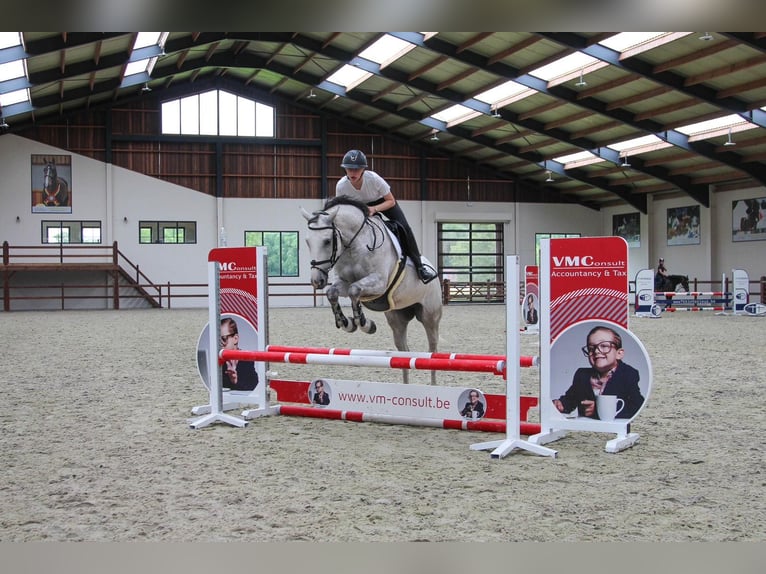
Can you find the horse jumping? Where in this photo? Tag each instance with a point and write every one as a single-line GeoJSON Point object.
{"type": "Point", "coordinates": [369, 270]}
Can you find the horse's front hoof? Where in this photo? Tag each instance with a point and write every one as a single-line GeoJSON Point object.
{"type": "Point", "coordinates": [349, 327]}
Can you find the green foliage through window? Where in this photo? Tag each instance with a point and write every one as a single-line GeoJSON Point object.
{"type": "Point", "coordinates": [167, 232]}
{"type": "Point", "coordinates": [71, 231]}
{"type": "Point", "coordinates": [281, 250]}
{"type": "Point", "coordinates": [539, 236]}
{"type": "Point", "coordinates": [471, 252]}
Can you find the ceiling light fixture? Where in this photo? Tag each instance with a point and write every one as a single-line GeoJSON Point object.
{"type": "Point", "coordinates": [625, 162]}
{"type": "Point", "coordinates": [434, 137]}
{"type": "Point", "coordinates": [3, 124]}
{"type": "Point", "coordinates": [549, 178]}
{"type": "Point", "coordinates": [311, 95]}
{"type": "Point", "coordinates": [582, 83]}
{"type": "Point", "coordinates": [706, 37]}
{"type": "Point", "coordinates": [729, 142]}
{"type": "Point", "coordinates": [495, 113]}
{"type": "Point", "coordinates": [146, 87]}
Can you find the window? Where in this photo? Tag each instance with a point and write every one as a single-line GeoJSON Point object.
{"type": "Point", "coordinates": [471, 252]}
{"type": "Point", "coordinates": [217, 113]}
{"type": "Point", "coordinates": [71, 232]}
{"type": "Point", "coordinates": [539, 236]}
{"type": "Point", "coordinates": [167, 232]}
{"type": "Point", "coordinates": [281, 250]}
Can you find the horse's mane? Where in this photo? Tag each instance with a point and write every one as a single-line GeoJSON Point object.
{"type": "Point", "coordinates": [346, 200]}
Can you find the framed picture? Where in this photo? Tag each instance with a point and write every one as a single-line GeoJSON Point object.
{"type": "Point", "coordinates": [684, 225]}
{"type": "Point", "coordinates": [748, 219]}
{"type": "Point", "coordinates": [51, 183]}
{"type": "Point", "coordinates": [628, 226]}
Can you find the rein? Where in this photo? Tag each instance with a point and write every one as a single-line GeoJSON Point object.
{"type": "Point", "coordinates": [336, 234]}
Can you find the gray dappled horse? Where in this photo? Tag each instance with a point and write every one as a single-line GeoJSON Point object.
{"type": "Point", "coordinates": [370, 270]}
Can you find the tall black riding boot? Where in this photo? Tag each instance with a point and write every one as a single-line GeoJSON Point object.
{"type": "Point", "coordinates": [425, 272]}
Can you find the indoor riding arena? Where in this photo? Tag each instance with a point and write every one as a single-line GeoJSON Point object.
{"type": "Point", "coordinates": [135, 162]}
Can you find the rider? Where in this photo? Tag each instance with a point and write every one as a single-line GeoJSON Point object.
{"type": "Point", "coordinates": [661, 276]}
{"type": "Point", "coordinates": [362, 183]}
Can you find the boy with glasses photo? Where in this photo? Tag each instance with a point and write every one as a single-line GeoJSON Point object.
{"type": "Point", "coordinates": [607, 375]}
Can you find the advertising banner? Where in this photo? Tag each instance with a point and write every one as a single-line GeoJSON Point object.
{"type": "Point", "coordinates": [243, 323]}
{"type": "Point", "coordinates": [595, 374]}
{"type": "Point", "coordinates": [530, 306]}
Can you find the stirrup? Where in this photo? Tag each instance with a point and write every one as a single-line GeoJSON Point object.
{"type": "Point", "coordinates": [426, 274]}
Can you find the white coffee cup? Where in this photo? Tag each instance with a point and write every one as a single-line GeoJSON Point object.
{"type": "Point", "coordinates": [607, 407]}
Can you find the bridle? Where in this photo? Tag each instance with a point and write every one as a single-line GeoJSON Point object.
{"type": "Point", "coordinates": [49, 177]}
{"type": "Point", "coordinates": [337, 237]}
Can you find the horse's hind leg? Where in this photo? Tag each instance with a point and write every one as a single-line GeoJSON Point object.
{"type": "Point", "coordinates": [430, 317]}
{"type": "Point", "coordinates": [398, 321]}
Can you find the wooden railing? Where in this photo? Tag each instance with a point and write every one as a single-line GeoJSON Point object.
{"type": "Point", "coordinates": [470, 292]}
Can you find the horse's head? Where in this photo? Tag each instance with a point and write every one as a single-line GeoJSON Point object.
{"type": "Point", "coordinates": [685, 282]}
{"type": "Point", "coordinates": [322, 241]}
{"type": "Point", "coordinates": [50, 176]}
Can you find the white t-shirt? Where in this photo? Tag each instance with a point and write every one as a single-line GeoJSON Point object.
{"type": "Point", "coordinates": [373, 188]}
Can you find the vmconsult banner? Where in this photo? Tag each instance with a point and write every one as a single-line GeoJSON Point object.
{"type": "Point", "coordinates": [595, 374]}
{"type": "Point", "coordinates": [242, 293]}
{"type": "Point", "coordinates": [588, 279]}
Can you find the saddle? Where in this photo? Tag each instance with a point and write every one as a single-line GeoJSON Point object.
{"type": "Point", "coordinates": [383, 302]}
{"type": "Point", "coordinates": [397, 231]}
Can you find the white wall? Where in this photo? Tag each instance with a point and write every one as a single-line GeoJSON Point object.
{"type": "Point", "coordinates": [110, 194]}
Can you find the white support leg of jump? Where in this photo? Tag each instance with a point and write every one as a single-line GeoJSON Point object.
{"type": "Point", "coordinates": [216, 412]}
{"type": "Point", "coordinates": [502, 448]}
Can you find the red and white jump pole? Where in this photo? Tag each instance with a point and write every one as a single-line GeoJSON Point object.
{"type": "Point", "coordinates": [496, 367]}
{"type": "Point", "coordinates": [525, 361]}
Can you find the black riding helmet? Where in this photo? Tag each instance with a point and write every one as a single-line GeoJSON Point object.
{"type": "Point", "coordinates": [354, 159]}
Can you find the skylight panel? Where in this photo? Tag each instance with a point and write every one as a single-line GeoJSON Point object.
{"type": "Point", "coordinates": [10, 39]}
{"type": "Point", "coordinates": [578, 156]}
{"type": "Point", "coordinates": [15, 97]}
{"type": "Point", "coordinates": [625, 40]}
{"type": "Point", "coordinates": [709, 125]}
{"type": "Point", "coordinates": [144, 39]}
{"type": "Point", "coordinates": [502, 93]}
{"type": "Point", "coordinates": [387, 49]}
{"type": "Point", "coordinates": [11, 70]}
{"type": "Point", "coordinates": [636, 146]}
{"type": "Point", "coordinates": [137, 67]}
{"type": "Point", "coordinates": [455, 115]}
{"type": "Point", "coordinates": [349, 77]}
{"type": "Point", "coordinates": [563, 66]}
{"type": "Point", "coordinates": [578, 159]}
{"type": "Point", "coordinates": [635, 143]}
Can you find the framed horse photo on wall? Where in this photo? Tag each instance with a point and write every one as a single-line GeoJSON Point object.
{"type": "Point", "coordinates": [51, 183]}
{"type": "Point", "coordinates": [748, 219]}
{"type": "Point", "coordinates": [684, 225]}
{"type": "Point", "coordinates": [628, 226]}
